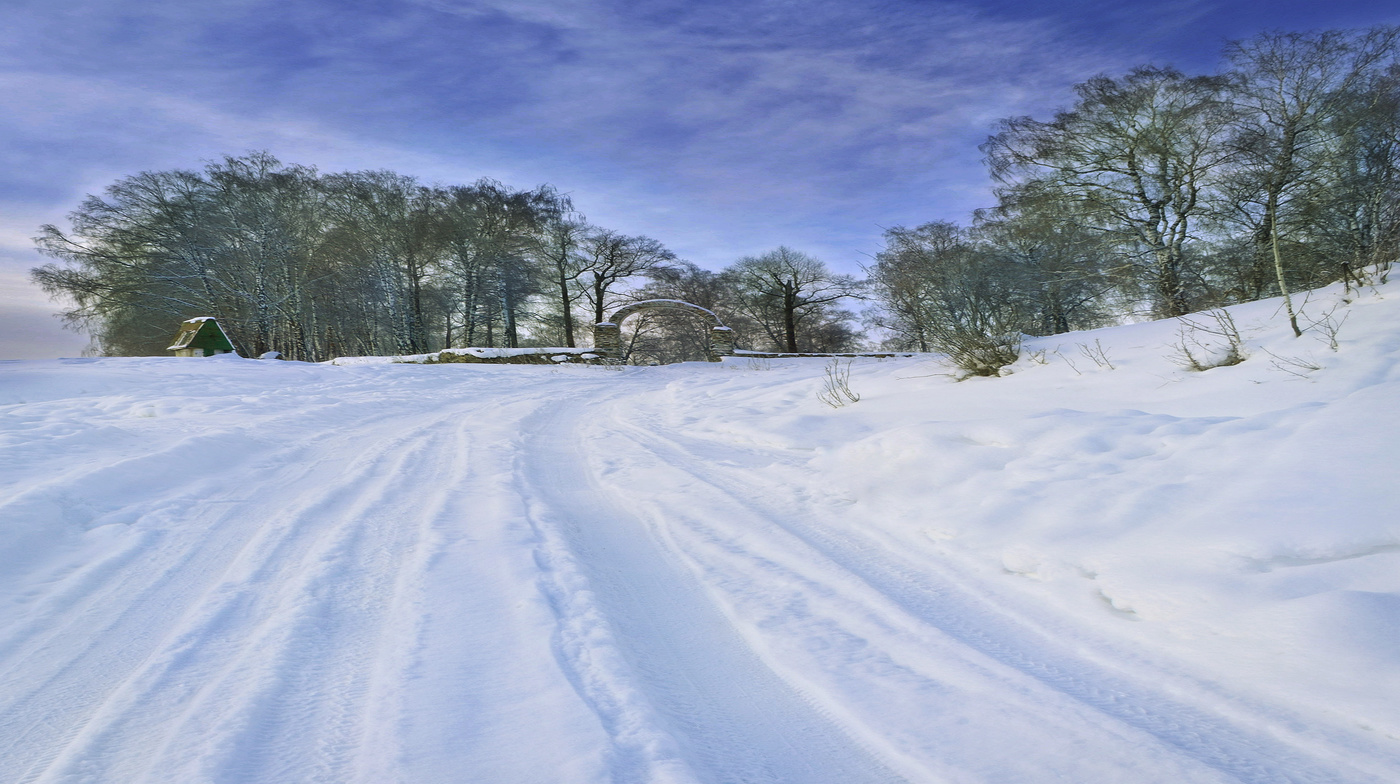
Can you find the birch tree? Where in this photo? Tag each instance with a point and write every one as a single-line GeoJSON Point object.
{"type": "Point", "coordinates": [1294, 93]}
{"type": "Point", "coordinates": [1134, 159]}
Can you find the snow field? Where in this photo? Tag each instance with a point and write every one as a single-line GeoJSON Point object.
{"type": "Point", "coordinates": [224, 570]}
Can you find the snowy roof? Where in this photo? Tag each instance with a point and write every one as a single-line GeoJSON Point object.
{"type": "Point", "coordinates": [674, 302]}
{"type": "Point", "coordinates": [627, 310]}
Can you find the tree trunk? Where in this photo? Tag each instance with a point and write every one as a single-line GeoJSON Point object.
{"type": "Point", "coordinates": [790, 316]}
{"type": "Point", "coordinates": [508, 317]}
{"type": "Point", "coordinates": [1278, 265]}
{"type": "Point", "coordinates": [568, 309]}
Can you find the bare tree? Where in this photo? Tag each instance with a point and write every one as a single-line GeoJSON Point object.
{"type": "Point", "coordinates": [491, 234]}
{"type": "Point", "coordinates": [390, 223]}
{"type": "Point", "coordinates": [316, 265]}
{"type": "Point", "coordinates": [1353, 217]}
{"type": "Point", "coordinates": [271, 224]}
{"type": "Point", "coordinates": [232, 241]}
{"type": "Point", "coordinates": [788, 292]}
{"type": "Point", "coordinates": [903, 278]}
{"type": "Point", "coordinates": [609, 258]}
{"type": "Point", "coordinates": [136, 261]}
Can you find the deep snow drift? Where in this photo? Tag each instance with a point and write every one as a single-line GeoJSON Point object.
{"type": "Point", "coordinates": [226, 570]}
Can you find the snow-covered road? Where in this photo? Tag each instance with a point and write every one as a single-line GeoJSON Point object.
{"type": "Point", "coordinates": [235, 571]}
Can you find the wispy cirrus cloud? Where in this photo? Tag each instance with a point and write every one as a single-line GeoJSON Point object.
{"type": "Point", "coordinates": [785, 91]}
{"type": "Point", "coordinates": [772, 119]}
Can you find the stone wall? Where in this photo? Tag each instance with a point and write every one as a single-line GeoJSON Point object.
{"type": "Point", "coordinates": [513, 356]}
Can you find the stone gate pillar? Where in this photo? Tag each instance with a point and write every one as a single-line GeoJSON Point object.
{"type": "Point", "coordinates": [607, 340]}
{"type": "Point", "coordinates": [721, 343]}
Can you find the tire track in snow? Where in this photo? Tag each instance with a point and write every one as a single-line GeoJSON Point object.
{"type": "Point", "coordinates": [232, 601]}
{"type": "Point", "coordinates": [676, 687]}
{"type": "Point", "coordinates": [312, 545]}
{"type": "Point", "coordinates": [1255, 751]}
{"type": "Point", "coordinates": [304, 717]}
{"type": "Point", "coordinates": [112, 612]}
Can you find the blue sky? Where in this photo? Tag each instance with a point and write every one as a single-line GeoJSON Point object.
{"type": "Point", "coordinates": [720, 128]}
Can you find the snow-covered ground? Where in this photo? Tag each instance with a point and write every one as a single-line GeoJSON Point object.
{"type": "Point", "coordinates": [227, 570]}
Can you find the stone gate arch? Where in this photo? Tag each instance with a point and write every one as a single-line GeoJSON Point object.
{"type": "Point", "coordinates": [607, 335]}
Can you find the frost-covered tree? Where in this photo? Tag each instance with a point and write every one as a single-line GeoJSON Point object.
{"type": "Point", "coordinates": [1134, 158]}
{"type": "Point", "coordinates": [315, 266]}
{"type": "Point", "coordinates": [234, 241]}
{"type": "Point", "coordinates": [1301, 108]}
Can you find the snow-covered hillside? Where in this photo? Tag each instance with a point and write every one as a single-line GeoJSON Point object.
{"type": "Point", "coordinates": [226, 570]}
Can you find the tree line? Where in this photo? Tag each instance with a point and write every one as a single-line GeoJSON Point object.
{"type": "Point", "coordinates": [371, 263]}
{"type": "Point", "coordinates": [1155, 194]}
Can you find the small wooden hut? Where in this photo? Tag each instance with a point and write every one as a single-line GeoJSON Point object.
{"type": "Point", "coordinates": [201, 337]}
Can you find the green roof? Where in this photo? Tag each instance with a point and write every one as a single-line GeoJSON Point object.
{"type": "Point", "coordinates": [202, 332]}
